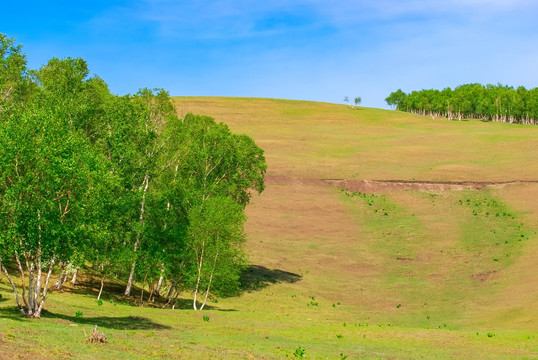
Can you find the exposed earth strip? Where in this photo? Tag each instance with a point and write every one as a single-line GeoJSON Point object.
{"type": "Point", "coordinates": [378, 186]}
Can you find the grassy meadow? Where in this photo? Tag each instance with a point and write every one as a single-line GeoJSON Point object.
{"type": "Point", "coordinates": [336, 274]}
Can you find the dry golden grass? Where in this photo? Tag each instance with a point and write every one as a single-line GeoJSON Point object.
{"type": "Point", "coordinates": [434, 278]}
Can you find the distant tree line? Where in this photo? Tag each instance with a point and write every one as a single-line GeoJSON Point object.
{"type": "Point", "coordinates": [490, 103]}
{"type": "Point", "coordinates": [116, 184]}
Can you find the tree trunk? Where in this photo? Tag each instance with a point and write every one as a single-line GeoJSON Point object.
{"type": "Point", "coordinates": [37, 313]}
{"type": "Point", "coordinates": [31, 289]}
{"type": "Point", "coordinates": [74, 279]}
{"type": "Point", "coordinates": [200, 264]}
{"type": "Point", "coordinates": [60, 282]}
{"type": "Point", "coordinates": [145, 184]}
{"type": "Point", "coordinates": [159, 285]}
{"type": "Point", "coordinates": [151, 291]}
{"type": "Point", "coordinates": [21, 271]}
{"type": "Point", "coordinates": [142, 292]}
{"type": "Point", "coordinates": [131, 275]}
{"type": "Point", "coordinates": [21, 308]}
{"type": "Point", "coordinates": [101, 289]}
{"type": "Point", "coordinates": [210, 279]}
{"type": "Point", "coordinates": [171, 291]}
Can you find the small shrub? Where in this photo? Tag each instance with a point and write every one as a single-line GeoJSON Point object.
{"type": "Point", "coordinates": [300, 352]}
{"type": "Point", "coordinates": [343, 356]}
{"type": "Point", "coordinates": [79, 314]}
{"type": "Point", "coordinates": [340, 336]}
{"type": "Point", "coordinates": [205, 318]}
{"type": "Point", "coordinates": [399, 306]}
{"type": "Point", "coordinates": [99, 302]}
{"type": "Point", "coordinates": [490, 335]}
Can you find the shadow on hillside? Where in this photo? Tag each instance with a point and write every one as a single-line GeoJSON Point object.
{"type": "Point", "coordinates": [113, 292]}
{"type": "Point", "coordinates": [117, 323]}
{"type": "Point", "coordinates": [12, 313]}
{"type": "Point", "coordinates": [257, 277]}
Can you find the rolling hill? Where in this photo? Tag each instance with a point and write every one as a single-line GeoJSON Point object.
{"type": "Point", "coordinates": [380, 235]}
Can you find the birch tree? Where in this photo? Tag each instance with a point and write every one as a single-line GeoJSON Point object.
{"type": "Point", "coordinates": [50, 177]}
{"type": "Point", "coordinates": [209, 169]}
{"type": "Point", "coordinates": [215, 238]}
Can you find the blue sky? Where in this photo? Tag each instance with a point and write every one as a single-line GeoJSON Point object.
{"type": "Point", "coordinates": [305, 49]}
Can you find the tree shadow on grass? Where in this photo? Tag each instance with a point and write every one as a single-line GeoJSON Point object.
{"type": "Point", "coordinates": [113, 322]}
{"type": "Point", "coordinates": [12, 313]}
{"type": "Point", "coordinates": [257, 277]}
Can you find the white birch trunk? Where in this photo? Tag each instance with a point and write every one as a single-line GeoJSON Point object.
{"type": "Point", "coordinates": [145, 184]}
{"type": "Point", "coordinates": [21, 308]}
{"type": "Point", "coordinates": [101, 289]}
{"type": "Point", "coordinates": [210, 279]}
{"type": "Point", "coordinates": [74, 278]}
{"type": "Point", "coordinates": [200, 264]}
{"type": "Point", "coordinates": [37, 313]}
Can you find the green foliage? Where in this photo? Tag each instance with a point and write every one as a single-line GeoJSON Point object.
{"type": "Point", "coordinates": [490, 102]}
{"type": "Point", "coordinates": [396, 98]}
{"type": "Point", "coordinates": [299, 352]}
{"type": "Point", "coordinates": [13, 73]}
{"type": "Point", "coordinates": [118, 182]}
{"type": "Point", "coordinates": [215, 237]}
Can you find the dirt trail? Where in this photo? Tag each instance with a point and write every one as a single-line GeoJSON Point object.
{"type": "Point", "coordinates": [377, 186]}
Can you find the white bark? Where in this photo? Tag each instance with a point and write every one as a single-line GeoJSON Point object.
{"type": "Point", "coordinates": [44, 293]}
{"type": "Point", "coordinates": [60, 282]}
{"type": "Point", "coordinates": [74, 279]}
{"type": "Point", "coordinates": [199, 267]}
{"type": "Point", "coordinates": [145, 185]}
{"type": "Point", "coordinates": [210, 278]}
{"type": "Point", "coordinates": [21, 308]}
{"type": "Point", "coordinates": [101, 289]}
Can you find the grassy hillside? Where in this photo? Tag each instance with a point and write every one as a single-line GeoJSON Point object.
{"type": "Point", "coordinates": [318, 140]}
{"type": "Point", "coordinates": [388, 274]}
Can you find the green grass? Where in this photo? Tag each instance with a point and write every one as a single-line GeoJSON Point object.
{"type": "Point", "coordinates": [134, 332]}
{"type": "Point", "coordinates": [392, 275]}
{"type": "Point", "coordinates": [438, 279]}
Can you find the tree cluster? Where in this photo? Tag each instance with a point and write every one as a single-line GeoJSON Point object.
{"type": "Point", "coordinates": [472, 101]}
{"type": "Point", "coordinates": [119, 184]}
{"type": "Point", "coordinates": [356, 101]}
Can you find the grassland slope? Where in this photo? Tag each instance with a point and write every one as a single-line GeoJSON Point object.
{"type": "Point", "coordinates": [375, 273]}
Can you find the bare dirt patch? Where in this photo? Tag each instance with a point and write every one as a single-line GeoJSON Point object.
{"type": "Point", "coordinates": [380, 186]}
{"type": "Point", "coordinates": [483, 277]}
